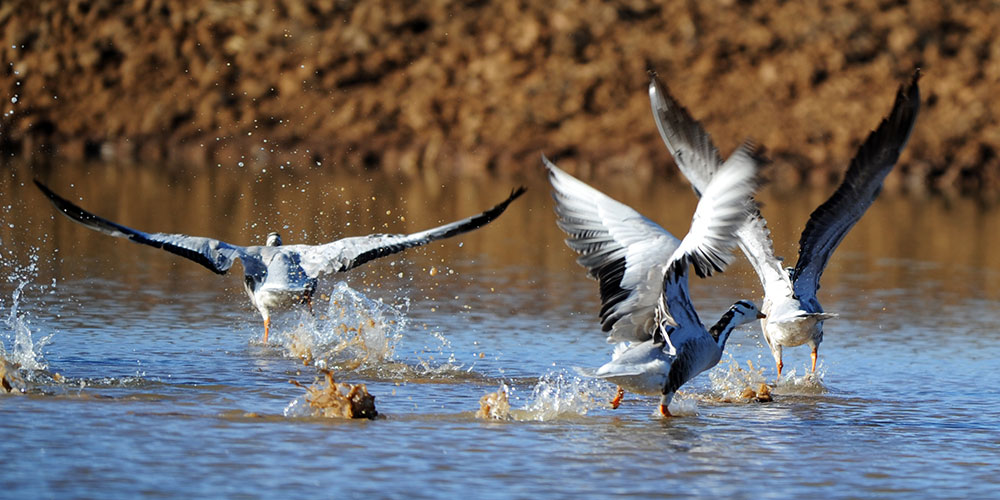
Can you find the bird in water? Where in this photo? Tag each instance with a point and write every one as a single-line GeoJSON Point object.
{"type": "Point", "coordinates": [794, 314]}
{"type": "Point", "coordinates": [278, 276]}
{"type": "Point", "coordinates": [642, 270]}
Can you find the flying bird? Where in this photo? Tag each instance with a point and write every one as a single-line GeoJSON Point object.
{"type": "Point", "coordinates": [794, 314]}
{"type": "Point", "coordinates": [642, 272]}
{"type": "Point", "coordinates": [275, 275]}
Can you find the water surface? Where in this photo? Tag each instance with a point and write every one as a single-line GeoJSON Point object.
{"type": "Point", "coordinates": [144, 374]}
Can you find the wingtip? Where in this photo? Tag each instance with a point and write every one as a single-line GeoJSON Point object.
{"type": "Point", "coordinates": [911, 91]}
{"type": "Point", "coordinates": [57, 200]}
{"type": "Point", "coordinates": [657, 90]}
{"type": "Point", "coordinates": [549, 166]}
{"type": "Point", "coordinates": [756, 151]}
{"type": "Point", "coordinates": [42, 187]}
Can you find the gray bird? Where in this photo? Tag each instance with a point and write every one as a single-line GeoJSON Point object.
{"type": "Point", "coordinates": [642, 270]}
{"type": "Point", "coordinates": [794, 314]}
{"type": "Point", "coordinates": [276, 275]}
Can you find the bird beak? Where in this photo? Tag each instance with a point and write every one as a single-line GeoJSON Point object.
{"type": "Point", "coordinates": [761, 315]}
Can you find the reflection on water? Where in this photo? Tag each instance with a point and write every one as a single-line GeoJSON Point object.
{"type": "Point", "coordinates": [160, 358]}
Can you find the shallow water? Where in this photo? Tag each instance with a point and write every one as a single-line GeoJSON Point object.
{"type": "Point", "coordinates": [147, 376]}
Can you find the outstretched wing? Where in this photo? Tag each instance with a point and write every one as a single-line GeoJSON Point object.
{"type": "Point", "coordinates": [348, 253]}
{"type": "Point", "coordinates": [214, 254]}
{"type": "Point", "coordinates": [692, 148]}
{"type": "Point", "coordinates": [626, 252]}
{"type": "Point", "coordinates": [720, 213]}
{"type": "Point", "coordinates": [698, 160]}
{"type": "Point", "coordinates": [831, 221]}
{"type": "Point", "coordinates": [708, 244]}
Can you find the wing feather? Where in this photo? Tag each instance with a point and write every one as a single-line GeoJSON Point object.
{"type": "Point", "coordinates": [831, 221]}
{"type": "Point", "coordinates": [626, 252]}
{"type": "Point", "coordinates": [698, 159]}
{"type": "Point", "coordinates": [348, 253]}
{"type": "Point", "coordinates": [708, 244]}
{"type": "Point", "coordinates": [215, 255]}
{"type": "Point", "coordinates": [692, 148]}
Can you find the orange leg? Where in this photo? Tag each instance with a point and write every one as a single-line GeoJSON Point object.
{"type": "Point", "coordinates": [814, 360]}
{"type": "Point", "coordinates": [267, 328]}
{"type": "Point", "coordinates": [780, 366]}
{"type": "Point", "coordinates": [665, 411]}
{"type": "Point", "coordinates": [618, 398]}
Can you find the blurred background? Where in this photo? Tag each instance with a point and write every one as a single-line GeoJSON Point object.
{"type": "Point", "coordinates": [476, 87]}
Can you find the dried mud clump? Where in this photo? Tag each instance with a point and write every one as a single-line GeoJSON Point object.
{"type": "Point", "coordinates": [331, 399]}
{"type": "Point", "coordinates": [10, 379]}
{"type": "Point", "coordinates": [472, 87]}
{"type": "Point", "coordinates": [761, 395]}
{"type": "Point", "coordinates": [494, 406]}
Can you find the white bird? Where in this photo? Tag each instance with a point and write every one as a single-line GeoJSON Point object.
{"type": "Point", "coordinates": [794, 314]}
{"type": "Point", "coordinates": [642, 272]}
{"type": "Point", "coordinates": [277, 276]}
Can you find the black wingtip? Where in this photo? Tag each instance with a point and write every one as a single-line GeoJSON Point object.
{"type": "Point", "coordinates": [45, 189]}
{"type": "Point", "coordinates": [64, 206]}
{"type": "Point", "coordinates": [910, 92]}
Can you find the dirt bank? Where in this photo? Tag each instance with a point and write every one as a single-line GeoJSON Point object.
{"type": "Point", "coordinates": [474, 86]}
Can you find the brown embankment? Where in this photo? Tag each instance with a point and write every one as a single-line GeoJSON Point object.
{"type": "Point", "coordinates": [475, 86]}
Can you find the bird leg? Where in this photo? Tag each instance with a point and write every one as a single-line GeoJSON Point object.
{"type": "Point", "coordinates": [267, 327]}
{"type": "Point", "coordinates": [814, 360]}
{"type": "Point", "coordinates": [618, 398]}
{"type": "Point", "coordinates": [780, 366]}
{"type": "Point", "coordinates": [665, 411]}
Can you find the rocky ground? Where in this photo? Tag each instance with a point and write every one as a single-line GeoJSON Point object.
{"type": "Point", "coordinates": [477, 86]}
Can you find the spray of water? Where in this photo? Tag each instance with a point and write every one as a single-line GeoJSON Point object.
{"type": "Point", "coordinates": [353, 331]}
{"type": "Point", "coordinates": [21, 359]}
{"type": "Point", "coordinates": [556, 395]}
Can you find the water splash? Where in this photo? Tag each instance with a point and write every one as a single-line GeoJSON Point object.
{"type": "Point", "coordinates": [555, 396]}
{"type": "Point", "coordinates": [809, 384]}
{"type": "Point", "coordinates": [20, 355]}
{"type": "Point", "coordinates": [732, 383]}
{"type": "Point", "coordinates": [353, 332]}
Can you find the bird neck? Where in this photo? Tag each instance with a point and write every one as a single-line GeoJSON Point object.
{"type": "Point", "coordinates": [720, 330]}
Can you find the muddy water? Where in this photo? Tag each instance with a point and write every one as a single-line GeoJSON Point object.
{"type": "Point", "coordinates": [137, 373]}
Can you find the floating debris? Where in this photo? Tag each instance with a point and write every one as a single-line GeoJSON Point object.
{"type": "Point", "coordinates": [495, 405]}
{"type": "Point", "coordinates": [761, 395]}
{"type": "Point", "coordinates": [10, 377]}
{"type": "Point", "coordinates": [338, 400]}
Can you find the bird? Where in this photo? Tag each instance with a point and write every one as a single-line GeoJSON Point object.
{"type": "Point", "coordinates": [278, 276]}
{"type": "Point", "coordinates": [642, 271]}
{"type": "Point", "coordinates": [794, 313]}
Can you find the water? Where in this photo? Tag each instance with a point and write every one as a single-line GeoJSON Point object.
{"type": "Point", "coordinates": [143, 374]}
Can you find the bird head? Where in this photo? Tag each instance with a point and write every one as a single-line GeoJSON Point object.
{"type": "Point", "coordinates": [740, 313]}
{"type": "Point", "coordinates": [745, 311]}
{"type": "Point", "coordinates": [273, 239]}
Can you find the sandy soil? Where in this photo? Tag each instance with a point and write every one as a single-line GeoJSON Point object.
{"type": "Point", "coordinates": [474, 86]}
